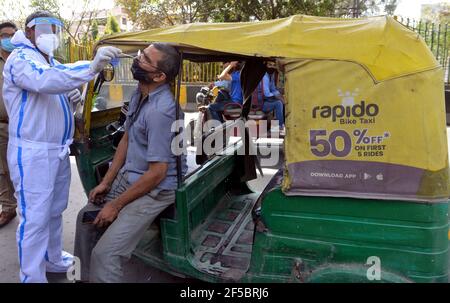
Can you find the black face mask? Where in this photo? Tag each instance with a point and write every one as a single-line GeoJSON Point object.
{"type": "Point", "coordinates": [271, 70]}
{"type": "Point", "coordinates": [139, 73]}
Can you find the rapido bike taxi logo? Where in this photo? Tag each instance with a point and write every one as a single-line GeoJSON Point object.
{"type": "Point", "coordinates": [340, 142]}
{"type": "Point", "coordinates": [348, 112]}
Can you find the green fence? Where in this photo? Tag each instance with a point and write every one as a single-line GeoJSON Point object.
{"type": "Point", "coordinates": [192, 72]}
{"type": "Point", "coordinates": [78, 50]}
{"type": "Point", "coordinates": [437, 37]}
{"type": "Point", "coordinates": [201, 72]}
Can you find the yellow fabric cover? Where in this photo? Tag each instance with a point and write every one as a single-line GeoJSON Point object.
{"type": "Point", "coordinates": [396, 142]}
{"type": "Point", "coordinates": [382, 45]}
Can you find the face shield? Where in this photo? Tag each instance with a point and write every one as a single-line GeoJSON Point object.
{"type": "Point", "coordinates": [49, 37]}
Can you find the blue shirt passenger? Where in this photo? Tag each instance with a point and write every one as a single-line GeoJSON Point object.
{"type": "Point", "coordinates": [270, 90]}
{"type": "Point", "coordinates": [236, 90]}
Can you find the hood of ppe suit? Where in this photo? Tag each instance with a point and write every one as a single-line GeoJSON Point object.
{"type": "Point", "coordinates": [19, 39]}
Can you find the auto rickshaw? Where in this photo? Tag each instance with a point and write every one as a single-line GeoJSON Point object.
{"type": "Point", "coordinates": [363, 192]}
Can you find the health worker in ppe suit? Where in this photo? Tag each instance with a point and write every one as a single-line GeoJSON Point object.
{"type": "Point", "coordinates": [39, 93]}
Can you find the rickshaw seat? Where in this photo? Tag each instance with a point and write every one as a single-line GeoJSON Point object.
{"type": "Point", "coordinates": [257, 115]}
{"type": "Point", "coordinates": [232, 111]}
{"type": "Point", "coordinates": [256, 110]}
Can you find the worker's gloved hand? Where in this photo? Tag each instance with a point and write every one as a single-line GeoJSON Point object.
{"type": "Point", "coordinates": [103, 57]}
{"type": "Point", "coordinates": [74, 96]}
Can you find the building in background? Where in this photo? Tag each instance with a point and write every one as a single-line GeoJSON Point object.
{"type": "Point", "coordinates": [85, 21]}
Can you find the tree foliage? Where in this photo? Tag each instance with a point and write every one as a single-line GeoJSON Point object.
{"type": "Point", "coordinates": [13, 10]}
{"type": "Point", "coordinates": [157, 13]}
{"type": "Point", "coordinates": [112, 26]}
{"type": "Point", "coordinates": [439, 13]}
{"type": "Point", "coordinates": [94, 30]}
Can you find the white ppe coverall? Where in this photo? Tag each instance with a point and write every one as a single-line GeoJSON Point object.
{"type": "Point", "coordinates": [41, 128]}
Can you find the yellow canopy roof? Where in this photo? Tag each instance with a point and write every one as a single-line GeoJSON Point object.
{"type": "Point", "coordinates": [386, 48]}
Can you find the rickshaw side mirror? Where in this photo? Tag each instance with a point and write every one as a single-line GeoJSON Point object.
{"type": "Point", "coordinates": [107, 73]}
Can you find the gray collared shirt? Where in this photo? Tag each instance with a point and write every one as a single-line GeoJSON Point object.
{"type": "Point", "coordinates": [150, 136]}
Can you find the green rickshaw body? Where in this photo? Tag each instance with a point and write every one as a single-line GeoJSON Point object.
{"type": "Point", "coordinates": [409, 240]}
{"type": "Point", "coordinates": [318, 219]}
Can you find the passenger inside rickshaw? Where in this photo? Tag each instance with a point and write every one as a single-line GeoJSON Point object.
{"type": "Point", "coordinates": [268, 100]}
{"type": "Point", "coordinates": [226, 98]}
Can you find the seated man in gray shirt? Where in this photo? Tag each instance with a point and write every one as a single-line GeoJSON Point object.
{"type": "Point", "coordinates": [142, 178]}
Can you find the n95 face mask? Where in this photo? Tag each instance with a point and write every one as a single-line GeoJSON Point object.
{"type": "Point", "coordinates": [47, 43]}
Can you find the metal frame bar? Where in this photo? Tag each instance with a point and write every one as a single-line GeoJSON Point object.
{"type": "Point", "coordinates": [445, 57]}
{"type": "Point", "coordinates": [177, 117]}
{"type": "Point", "coordinates": [438, 42]}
